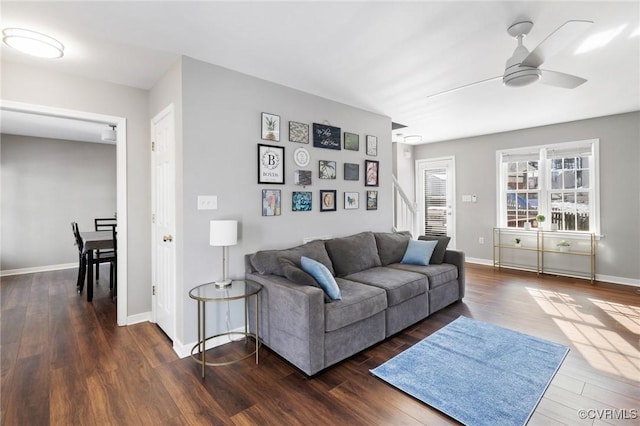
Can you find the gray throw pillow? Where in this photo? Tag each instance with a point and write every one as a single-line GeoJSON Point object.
{"type": "Point", "coordinates": [353, 254]}
{"type": "Point", "coordinates": [392, 246]}
{"type": "Point", "coordinates": [268, 261]}
{"type": "Point", "coordinates": [293, 272]}
{"type": "Point", "coordinates": [441, 247]}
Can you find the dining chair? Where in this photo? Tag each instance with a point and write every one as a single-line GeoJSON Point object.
{"type": "Point", "coordinates": [104, 224]}
{"type": "Point", "coordinates": [98, 258]}
{"type": "Point", "coordinates": [113, 271]}
{"type": "Point", "coordinates": [81, 258]}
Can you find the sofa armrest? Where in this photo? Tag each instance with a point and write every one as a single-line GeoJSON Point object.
{"type": "Point", "coordinates": [292, 321]}
{"type": "Point", "coordinates": [455, 257]}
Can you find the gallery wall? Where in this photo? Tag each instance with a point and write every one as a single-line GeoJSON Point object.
{"type": "Point", "coordinates": [47, 184]}
{"type": "Point", "coordinates": [221, 131]}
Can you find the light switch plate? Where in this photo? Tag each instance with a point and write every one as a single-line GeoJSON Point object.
{"type": "Point", "coordinates": [207, 202]}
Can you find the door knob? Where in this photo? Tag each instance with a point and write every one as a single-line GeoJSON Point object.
{"type": "Point", "coordinates": [167, 238]}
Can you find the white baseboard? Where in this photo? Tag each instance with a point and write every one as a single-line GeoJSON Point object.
{"type": "Point", "coordinates": [618, 280]}
{"type": "Point", "coordinates": [184, 350]}
{"type": "Point", "coordinates": [32, 270]}
{"type": "Point", "coordinates": [599, 277]}
{"type": "Point", "coordinates": [479, 261]}
{"type": "Point", "coordinates": [138, 318]}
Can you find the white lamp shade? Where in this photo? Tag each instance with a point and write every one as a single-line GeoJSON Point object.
{"type": "Point", "coordinates": [223, 232]}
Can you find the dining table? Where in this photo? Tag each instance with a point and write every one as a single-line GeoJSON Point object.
{"type": "Point", "coordinates": [94, 240]}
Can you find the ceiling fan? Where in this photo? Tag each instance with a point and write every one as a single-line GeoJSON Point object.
{"type": "Point", "coordinates": [523, 67]}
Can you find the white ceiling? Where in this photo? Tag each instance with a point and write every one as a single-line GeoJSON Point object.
{"type": "Point", "coordinates": [385, 57]}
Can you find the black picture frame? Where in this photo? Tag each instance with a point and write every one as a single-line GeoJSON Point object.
{"type": "Point", "coordinates": [325, 136]}
{"type": "Point", "coordinates": [371, 172]}
{"type": "Point", "coordinates": [271, 163]}
{"type": "Point", "coordinates": [301, 201]}
{"type": "Point", "coordinates": [372, 200]}
{"type": "Point", "coordinates": [328, 200]}
{"type": "Point", "coordinates": [327, 169]}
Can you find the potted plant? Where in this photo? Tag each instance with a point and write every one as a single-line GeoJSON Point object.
{"type": "Point", "coordinates": [540, 219]}
{"type": "Point", "coordinates": [564, 246]}
{"type": "Point", "coordinates": [517, 241]}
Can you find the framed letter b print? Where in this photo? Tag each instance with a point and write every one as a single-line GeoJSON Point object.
{"type": "Point", "coordinates": [270, 164]}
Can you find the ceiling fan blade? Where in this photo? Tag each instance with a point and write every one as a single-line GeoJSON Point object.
{"type": "Point", "coordinates": [560, 79]}
{"type": "Point", "coordinates": [463, 87]}
{"type": "Point", "coordinates": [555, 42]}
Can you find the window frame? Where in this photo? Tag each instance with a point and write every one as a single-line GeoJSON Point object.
{"type": "Point", "coordinates": [544, 155]}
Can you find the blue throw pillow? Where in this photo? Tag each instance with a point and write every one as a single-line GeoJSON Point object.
{"type": "Point", "coordinates": [418, 252]}
{"type": "Point", "coordinates": [322, 275]}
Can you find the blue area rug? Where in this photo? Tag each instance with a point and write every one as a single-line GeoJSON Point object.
{"type": "Point", "coordinates": [477, 373]}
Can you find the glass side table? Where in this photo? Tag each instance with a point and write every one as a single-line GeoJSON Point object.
{"type": "Point", "coordinates": [210, 292]}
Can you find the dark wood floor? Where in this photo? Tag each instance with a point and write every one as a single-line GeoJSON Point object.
{"type": "Point", "coordinates": [65, 362]}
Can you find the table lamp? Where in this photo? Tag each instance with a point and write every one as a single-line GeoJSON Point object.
{"type": "Point", "coordinates": [223, 233]}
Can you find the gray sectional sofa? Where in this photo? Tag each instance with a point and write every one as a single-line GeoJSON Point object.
{"type": "Point", "coordinates": [380, 295]}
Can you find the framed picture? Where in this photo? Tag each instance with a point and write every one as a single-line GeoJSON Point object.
{"type": "Point", "coordinates": [351, 171]}
{"type": "Point", "coordinates": [372, 200]}
{"type": "Point", "coordinates": [301, 201]}
{"type": "Point", "coordinates": [298, 132]}
{"type": "Point", "coordinates": [327, 169]}
{"type": "Point", "coordinates": [302, 177]}
{"type": "Point", "coordinates": [351, 141]}
{"type": "Point", "coordinates": [371, 172]}
{"type": "Point", "coordinates": [372, 145]}
{"type": "Point", "coordinates": [326, 136]}
{"type": "Point", "coordinates": [351, 200]}
{"type": "Point", "coordinates": [271, 202]}
{"type": "Point", "coordinates": [270, 164]}
{"type": "Point", "coordinates": [327, 200]}
{"type": "Point", "coordinates": [301, 157]}
{"type": "Point", "coordinates": [270, 127]}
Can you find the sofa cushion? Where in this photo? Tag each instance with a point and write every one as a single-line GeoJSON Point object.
{"type": "Point", "coordinates": [268, 261]}
{"type": "Point", "coordinates": [322, 275]}
{"type": "Point", "coordinates": [358, 302]}
{"type": "Point", "coordinates": [391, 246]}
{"type": "Point", "coordinates": [441, 247]}
{"type": "Point", "coordinates": [399, 285]}
{"type": "Point", "coordinates": [354, 253]}
{"type": "Point", "coordinates": [437, 274]}
{"type": "Point", "coordinates": [418, 252]}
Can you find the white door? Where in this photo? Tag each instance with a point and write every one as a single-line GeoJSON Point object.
{"type": "Point", "coordinates": [436, 197]}
{"type": "Point", "coordinates": [163, 220]}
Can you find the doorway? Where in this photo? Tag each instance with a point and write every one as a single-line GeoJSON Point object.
{"type": "Point", "coordinates": [121, 181]}
{"type": "Point", "coordinates": [435, 186]}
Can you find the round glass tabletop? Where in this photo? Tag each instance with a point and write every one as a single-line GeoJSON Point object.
{"type": "Point", "coordinates": [236, 290]}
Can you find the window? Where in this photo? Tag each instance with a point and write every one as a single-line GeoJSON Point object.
{"type": "Point", "coordinates": [557, 181]}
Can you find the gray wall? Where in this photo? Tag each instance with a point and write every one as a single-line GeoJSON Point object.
{"type": "Point", "coordinates": [221, 131]}
{"type": "Point", "coordinates": [23, 83]}
{"type": "Point", "coordinates": [46, 184]}
{"type": "Point", "coordinates": [619, 249]}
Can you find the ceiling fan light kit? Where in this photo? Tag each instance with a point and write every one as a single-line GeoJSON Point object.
{"type": "Point", "coordinates": [523, 67]}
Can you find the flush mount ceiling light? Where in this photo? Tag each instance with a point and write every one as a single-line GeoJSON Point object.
{"type": "Point", "coordinates": [32, 43]}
